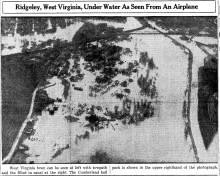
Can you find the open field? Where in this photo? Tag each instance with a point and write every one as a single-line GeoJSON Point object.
{"type": "Point", "coordinates": [115, 87]}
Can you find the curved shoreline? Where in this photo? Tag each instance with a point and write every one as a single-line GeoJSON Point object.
{"type": "Point", "coordinates": [188, 90]}
{"type": "Point", "coordinates": [187, 95]}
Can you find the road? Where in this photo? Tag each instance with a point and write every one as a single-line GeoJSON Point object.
{"type": "Point", "coordinates": [160, 138]}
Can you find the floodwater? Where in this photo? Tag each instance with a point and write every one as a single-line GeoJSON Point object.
{"type": "Point", "coordinates": [157, 139]}
{"type": "Point", "coordinates": [14, 44]}
{"type": "Point", "coordinates": [198, 61]}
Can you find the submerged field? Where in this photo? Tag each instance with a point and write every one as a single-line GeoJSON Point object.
{"type": "Point", "coordinates": [117, 92]}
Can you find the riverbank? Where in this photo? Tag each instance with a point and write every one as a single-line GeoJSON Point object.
{"type": "Point", "coordinates": [18, 84]}
{"type": "Point", "coordinates": [115, 82]}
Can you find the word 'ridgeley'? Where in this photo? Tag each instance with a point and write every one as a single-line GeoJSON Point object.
{"type": "Point", "coordinates": [26, 7]}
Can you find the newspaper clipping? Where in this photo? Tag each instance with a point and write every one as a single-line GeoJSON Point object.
{"type": "Point", "coordinates": [109, 87]}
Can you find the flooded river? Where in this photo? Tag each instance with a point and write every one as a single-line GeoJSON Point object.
{"type": "Point", "coordinates": [159, 137]}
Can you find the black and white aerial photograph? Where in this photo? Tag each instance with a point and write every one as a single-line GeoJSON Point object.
{"type": "Point", "coordinates": [109, 90]}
